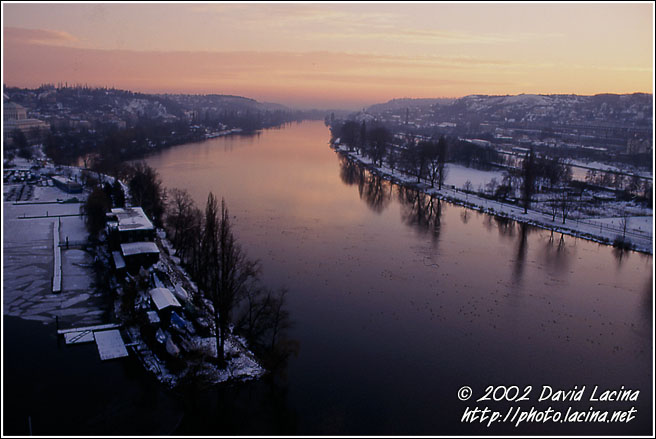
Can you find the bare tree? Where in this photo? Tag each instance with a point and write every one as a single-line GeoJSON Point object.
{"type": "Point", "coordinates": [414, 160]}
{"type": "Point", "coordinates": [378, 138]}
{"type": "Point", "coordinates": [624, 222]}
{"type": "Point", "coordinates": [554, 205]}
{"type": "Point", "coordinates": [146, 190]}
{"type": "Point", "coordinates": [441, 162]}
{"type": "Point", "coordinates": [529, 179]}
{"type": "Point", "coordinates": [566, 204]}
{"type": "Point", "coordinates": [178, 216]}
{"type": "Point", "coordinates": [228, 271]}
{"type": "Point", "coordinates": [429, 153]}
{"type": "Point", "coordinates": [95, 208]}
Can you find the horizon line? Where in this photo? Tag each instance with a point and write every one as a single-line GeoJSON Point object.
{"type": "Point", "coordinates": [78, 85]}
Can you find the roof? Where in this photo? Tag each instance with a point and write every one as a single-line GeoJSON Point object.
{"type": "Point", "coordinates": [64, 180]}
{"type": "Point", "coordinates": [118, 260]}
{"type": "Point", "coordinates": [132, 218]}
{"type": "Point", "coordinates": [163, 298]}
{"type": "Point", "coordinates": [153, 317]}
{"type": "Point", "coordinates": [8, 104]}
{"type": "Point", "coordinates": [110, 344]}
{"type": "Point", "coordinates": [137, 248]}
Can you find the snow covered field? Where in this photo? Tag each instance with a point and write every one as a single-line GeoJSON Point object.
{"type": "Point", "coordinates": [28, 262]}
{"type": "Point", "coordinates": [606, 167]}
{"type": "Point", "coordinates": [31, 259]}
{"type": "Point", "coordinates": [457, 175]}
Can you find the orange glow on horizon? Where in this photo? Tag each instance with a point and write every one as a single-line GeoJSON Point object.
{"type": "Point", "coordinates": [323, 55]}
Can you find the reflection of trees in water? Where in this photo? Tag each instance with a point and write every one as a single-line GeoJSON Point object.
{"type": "Point", "coordinates": [253, 408]}
{"type": "Point", "coordinates": [505, 226]}
{"type": "Point", "coordinates": [648, 301]}
{"type": "Point", "coordinates": [620, 254]}
{"type": "Point", "coordinates": [521, 252]}
{"type": "Point", "coordinates": [350, 172]}
{"type": "Point", "coordinates": [421, 211]}
{"type": "Point", "coordinates": [258, 407]}
{"type": "Point", "coordinates": [556, 254]}
{"type": "Point", "coordinates": [376, 192]}
{"type": "Point", "coordinates": [465, 215]}
{"type": "Point", "coordinates": [373, 189]}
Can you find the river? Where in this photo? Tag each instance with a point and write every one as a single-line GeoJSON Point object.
{"type": "Point", "coordinates": [397, 302]}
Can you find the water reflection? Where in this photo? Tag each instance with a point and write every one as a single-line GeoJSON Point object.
{"type": "Point", "coordinates": [505, 226]}
{"type": "Point", "coordinates": [507, 303]}
{"type": "Point", "coordinates": [376, 192]}
{"type": "Point", "coordinates": [421, 211]}
{"type": "Point", "coordinates": [620, 255]}
{"type": "Point", "coordinates": [556, 254]}
{"type": "Point", "coordinates": [418, 210]}
{"type": "Point", "coordinates": [255, 408]}
{"type": "Point", "coordinates": [373, 189]}
{"type": "Point", "coordinates": [648, 302]}
{"type": "Point", "coordinates": [350, 172]}
{"type": "Point", "coordinates": [522, 247]}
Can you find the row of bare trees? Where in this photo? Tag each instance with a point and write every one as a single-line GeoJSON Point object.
{"type": "Point", "coordinates": [425, 160]}
{"type": "Point", "coordinates": [227, 278]}
{"type": "Point", "coordinates": [632, 184]}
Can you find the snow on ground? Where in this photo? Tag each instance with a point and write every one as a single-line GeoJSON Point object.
{"type": "Point", "coordinates": [242, 364]}
{"type": "Point", "coordinates": [28, 250]}
{"type": "Point", "coordinates": [457, 175]}
{"type": "Point", "coordinates": [575, 227]}
{"type": "Point", "coordinates": [635, 224]}
{"type": "Point", "coordinates": [607, 167]}
{"type": "Point", "coordinates": [28, 262]}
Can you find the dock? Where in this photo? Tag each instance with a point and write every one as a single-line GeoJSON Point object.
{"type": "Point", "coordinates": [57, 269]}
{"type": "Point", "coordinates": [110, 344]}
{"type": "Point", "coordinates": [89, 328]}
{"type": "Point", "coordinates": [79, 337]}
{"type": "Point", "coordinates": [107, 337]}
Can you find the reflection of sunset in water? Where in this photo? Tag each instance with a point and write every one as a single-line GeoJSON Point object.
{"type": "Point", "coordinates": [441, 296]}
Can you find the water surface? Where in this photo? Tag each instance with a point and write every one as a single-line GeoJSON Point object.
{"type": "Point", "coordinates": [399, 300]}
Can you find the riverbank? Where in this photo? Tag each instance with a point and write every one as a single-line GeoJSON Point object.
{"type": "Point", "coordinates": [38, 219]}
{"type": "Point", "coordinates": [601, 232]}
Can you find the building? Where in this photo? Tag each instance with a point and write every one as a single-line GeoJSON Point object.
{"type": "Point", "coordinates": [14, 118]}
{"type": "Point", "coordinates": [638, 145]}
{"type": "Point", "coordinates": [129, 224]}
{"type": "Point", "coordinates": [67, 185]}
{"type": "Point", "coordinates": [139, 254]}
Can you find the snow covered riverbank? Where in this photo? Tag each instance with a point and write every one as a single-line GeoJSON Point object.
{"type": "Point", "coordinates": [639, 229]}
{"type": "Point", "coordinates": [39, 221]}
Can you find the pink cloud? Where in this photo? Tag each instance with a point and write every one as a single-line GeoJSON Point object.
{"type": "Point", "coordinates": [46, 37]}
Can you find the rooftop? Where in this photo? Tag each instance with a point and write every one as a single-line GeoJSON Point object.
{"type": "Point", "coordinates": [132, 218]}
{"type": "Point", "coordinates": [137, 248]}
{"type": "Point", "coordinates": [163, 298]}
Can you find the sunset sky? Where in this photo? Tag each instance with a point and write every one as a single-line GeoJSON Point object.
{"type": "Point", "coordinates": [333, 55]}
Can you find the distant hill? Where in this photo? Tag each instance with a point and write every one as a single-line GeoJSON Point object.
{"type": "Point", "coordinates": [634, 109]}
{"type": "Point", "coordinates": [396, 104]}
{"type": "Point", "coordinates": [224, 102]}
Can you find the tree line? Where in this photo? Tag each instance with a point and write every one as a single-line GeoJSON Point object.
{"type": "Point", "coordinates": [425, 159]}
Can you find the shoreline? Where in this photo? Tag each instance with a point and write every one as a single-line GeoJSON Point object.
{"type": "Point", "coordinates": [473, 201]}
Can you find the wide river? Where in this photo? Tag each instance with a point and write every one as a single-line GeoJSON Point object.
{"type": "Point", "coordinates": [397, 302]}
